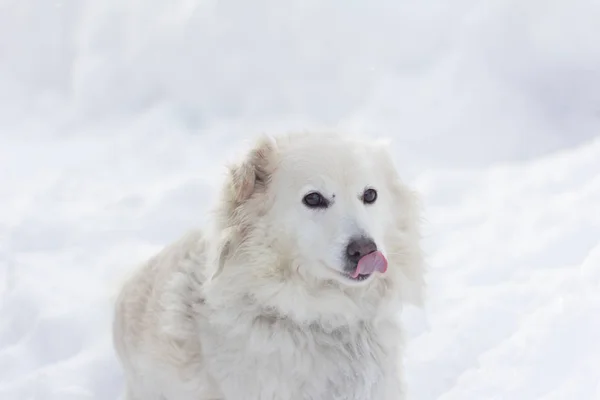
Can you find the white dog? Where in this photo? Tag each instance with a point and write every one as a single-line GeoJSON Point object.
{"type": "Point", "coordinates": [292, 294]}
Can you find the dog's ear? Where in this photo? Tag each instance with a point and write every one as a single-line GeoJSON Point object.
{"type": "Point", "coordinates": [253, 174]}
{"type": "Point", "coordinates": [406, 237]}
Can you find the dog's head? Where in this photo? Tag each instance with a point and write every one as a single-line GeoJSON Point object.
{"type": "Point", "coordinates": [305, 213]}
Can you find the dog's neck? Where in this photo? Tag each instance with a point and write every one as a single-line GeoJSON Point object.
{"type": "Point", "coordinates": [329, 307]}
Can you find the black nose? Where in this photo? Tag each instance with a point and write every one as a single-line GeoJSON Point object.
{"type": "Point", "coordinates": [360, 247]}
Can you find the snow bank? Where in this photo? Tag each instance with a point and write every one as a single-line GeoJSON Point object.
{"type": "Point", "coordinates": [514, 279]}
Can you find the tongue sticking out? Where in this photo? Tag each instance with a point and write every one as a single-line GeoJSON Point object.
{"type": "Point", "coordinates": [370, 263]}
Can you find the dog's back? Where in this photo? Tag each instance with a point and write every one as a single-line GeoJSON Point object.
{"type": "Point", "coordinates": [154, 321]}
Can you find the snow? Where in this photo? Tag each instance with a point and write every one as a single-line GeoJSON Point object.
{"type": "Point", "coordinates": [116, 115]}
{"type": "Point", "coordinates": [515, 305]}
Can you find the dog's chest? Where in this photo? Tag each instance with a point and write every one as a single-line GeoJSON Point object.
{"type": "Point", "coordinates": [344, 365]}
{"type": "Point", "coordinates": [283, 362]}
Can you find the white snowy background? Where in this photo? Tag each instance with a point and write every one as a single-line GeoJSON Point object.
{"type": "Point", "coordinates": [116, 116]}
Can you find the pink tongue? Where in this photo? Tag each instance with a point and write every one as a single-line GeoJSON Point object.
{"type": "Point", "coordinates": [370, 263]}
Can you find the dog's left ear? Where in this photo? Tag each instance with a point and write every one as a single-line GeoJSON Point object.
{"type": "Point", "coordinates": [406, 217]}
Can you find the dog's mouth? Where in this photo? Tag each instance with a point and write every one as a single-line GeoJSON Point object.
{"type": "Point", "coordinates": [357, 278]}
{"type": "Point", "coordinates": [367, 266]}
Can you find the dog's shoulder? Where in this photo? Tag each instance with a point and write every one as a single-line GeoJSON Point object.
{"type": "Point", "coordinates": [161, 296]}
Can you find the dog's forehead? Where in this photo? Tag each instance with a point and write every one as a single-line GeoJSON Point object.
{"type": "Point", "coordinates": [322, 163]}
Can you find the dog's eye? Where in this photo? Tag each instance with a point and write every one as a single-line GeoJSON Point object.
{"type": "Point", "coordinates": [315, 200]}
{"type": "Point", "coordinates": [369, 196]}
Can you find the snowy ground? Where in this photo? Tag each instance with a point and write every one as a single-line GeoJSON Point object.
{"type": "Point", "coordinates": [115, 116]}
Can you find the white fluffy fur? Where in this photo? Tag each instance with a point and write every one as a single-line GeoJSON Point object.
{"type": "Point", "coordinates": [255, 307]}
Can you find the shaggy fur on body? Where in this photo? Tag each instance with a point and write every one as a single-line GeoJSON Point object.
{"type": "Point", "coordinates": [267, 303]}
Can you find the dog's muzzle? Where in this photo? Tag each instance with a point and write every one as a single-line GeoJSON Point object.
{"type": "Point", "coordinates": [363, 258]}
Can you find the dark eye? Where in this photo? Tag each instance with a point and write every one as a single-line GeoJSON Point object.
{"type": "Point", "coordinates": [369, 196]}
{"type": "Point", "coordinates": [315, 200]}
